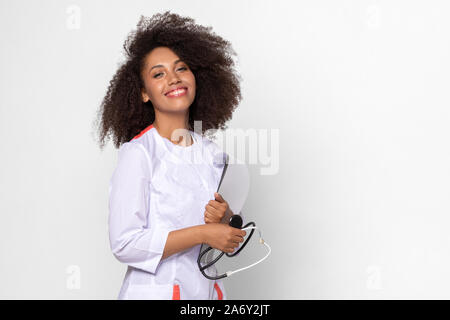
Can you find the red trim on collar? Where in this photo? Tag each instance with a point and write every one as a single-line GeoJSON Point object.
{"type": "Point", "coordinates": [143, 131]}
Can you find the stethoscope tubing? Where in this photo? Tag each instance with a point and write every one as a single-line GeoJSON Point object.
{"type": "Point", "coordinates": [229, 273]}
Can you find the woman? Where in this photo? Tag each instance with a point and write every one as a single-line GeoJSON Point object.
{"type": "Point", "coordinates": [162, 199]}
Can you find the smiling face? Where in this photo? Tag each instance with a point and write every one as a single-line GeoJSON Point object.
{"type": "Point", "coordinates": [169, 83]}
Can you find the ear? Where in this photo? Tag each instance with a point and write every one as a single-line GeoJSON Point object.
{"type": "Point", "coordinates": [145, 97]}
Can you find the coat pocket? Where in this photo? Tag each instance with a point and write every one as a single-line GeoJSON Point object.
{"type": "Point", "coordinates": [150, 292]}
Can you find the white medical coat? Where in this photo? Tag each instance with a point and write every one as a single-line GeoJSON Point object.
{"type": "Point", "coordinates": [158, 187]}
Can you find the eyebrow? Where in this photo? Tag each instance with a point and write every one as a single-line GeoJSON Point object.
{"type": "Point", "coordinates": [160, 65]}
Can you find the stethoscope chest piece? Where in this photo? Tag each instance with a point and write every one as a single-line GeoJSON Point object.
{"type": "Point", "coordinates": [236, 221]}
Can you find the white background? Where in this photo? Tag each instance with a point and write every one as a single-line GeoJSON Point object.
{"type": "Point", "coordinates": [359, 91]}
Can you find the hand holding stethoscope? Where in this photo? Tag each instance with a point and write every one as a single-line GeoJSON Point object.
{"type": "Point", "coordinates": [235, 222]}
{"type": "Point", "coordinates": [214, 212]}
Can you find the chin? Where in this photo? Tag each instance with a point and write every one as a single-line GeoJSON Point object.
{"type": "Point", "coordinates": [177, 108]}
{"type": "Point", "coordinates": [179, 105]}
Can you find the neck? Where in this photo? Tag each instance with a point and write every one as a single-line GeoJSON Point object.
{"type": "Point", "coordinates": [169, 126]}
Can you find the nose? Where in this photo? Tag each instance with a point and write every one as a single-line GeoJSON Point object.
{"type": "Point", "coordinates": [173, 78]}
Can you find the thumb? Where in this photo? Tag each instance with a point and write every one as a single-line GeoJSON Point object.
{"type": "Point", "coordinates": [218, 197]}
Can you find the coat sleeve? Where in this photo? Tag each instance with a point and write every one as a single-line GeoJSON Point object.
{"type": "Point", "coordinates": [133, 239]}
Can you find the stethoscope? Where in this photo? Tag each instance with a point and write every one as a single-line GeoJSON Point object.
{"type": "Point", "coordinates": [235, 222]}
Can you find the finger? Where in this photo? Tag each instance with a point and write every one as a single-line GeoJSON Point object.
{"type": "Point", "coordinates": [207, 217]}
{"type": "Point", "coordinates": [213, 211]}
{"type": "Point", "coordinates": [239, 232]}
{"type": "Point", "coordinates": [210, 217]}
{"type": "Point", "coordinates": [238, 238]}
{"type": "Point", "coordinates": [235, 244]}
{"type": "Point", "coordinates": [214, 204]}
{"type": "Point", "coordinates": [221, 201]}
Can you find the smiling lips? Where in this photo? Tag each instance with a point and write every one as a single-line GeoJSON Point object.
{"type": "Point", "coordinates": [178, 92]}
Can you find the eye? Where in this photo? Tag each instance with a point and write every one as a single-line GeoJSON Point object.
{"type": "Point", "coordinates": [157, 74]}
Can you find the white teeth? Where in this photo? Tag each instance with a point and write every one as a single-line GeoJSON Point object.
{"type": "Point", "coordinates": [176, 92]}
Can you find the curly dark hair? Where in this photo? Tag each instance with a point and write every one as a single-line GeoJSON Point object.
{"type": "Point", "coordinates": [123, 114]}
